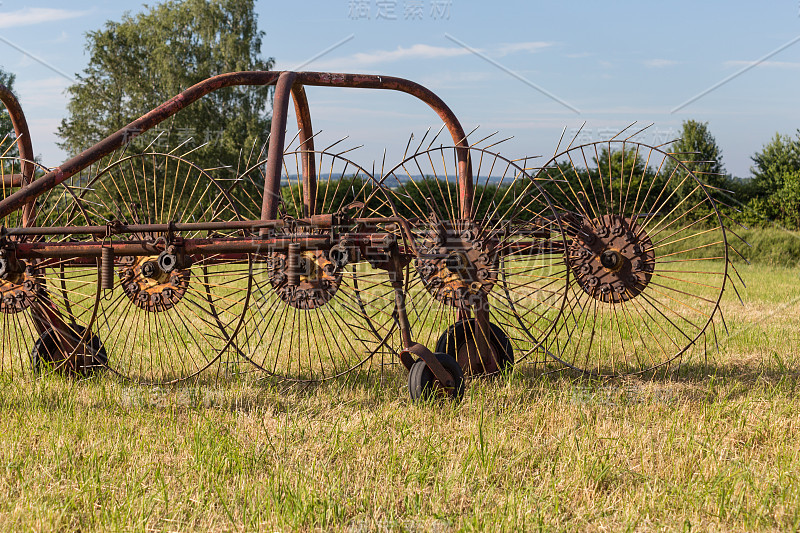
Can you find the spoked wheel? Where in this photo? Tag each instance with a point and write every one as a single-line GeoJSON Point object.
{"type": "Point", "coordinates": [43, 300]}
{"type": "Point", "coordinates": [337, 316]}
{"type": "Point", "coordinates": [648, 253]}
{"type": "Point", "coordinates": [169, 316]}
{"type": "Point", "coordinates": [495, 245]}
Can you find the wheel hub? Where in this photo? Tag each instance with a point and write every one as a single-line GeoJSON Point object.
{"type": "Point", "coordinates": [612, 258]}
{"type": "Point", "coordinates": [457, 264]}
{"type": "Point", "coordinates": [149, 287]}
{"type": "Point", "coordinates": [18, 290]}
{"type": "Point", "coordinates": [319, 279]}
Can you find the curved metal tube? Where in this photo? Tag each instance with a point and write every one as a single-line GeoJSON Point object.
{"type": "Point", "coordinates": [24, 143]}
{"type": "Point", "coordinates": [369, 81]}
{"type": "Point", "coordinates": [129, 132]}
{"type": "Point", "coordinates": [303, 114]}
{"type": "Point", "coordinates": [280, 104]}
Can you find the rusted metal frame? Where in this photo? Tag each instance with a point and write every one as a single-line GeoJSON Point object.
{"type": "Point", "coordinates": [134, 129]}
{"type": "Point", "coordinates": [216, 259]}
{"type": "Point", "coordinates": [277, 137]}
{"type": "Point", "coordinates": [318, 222]}
{"type": "Point", "coordinates": [199, 247]}
{"type": "Point", "coordinates": [444, 377]}
{"type": "Point", "coordinates": [12, 180]}
{"type": "Point", "coordinates": [28, 250]}
{"type": "Point", "coordinates": [303, 114]}
{"type": "Point", "coordinates": [24, 146]}
{"type": "Point", "coordinates": [270, 201]}
{"type": "Point", "coordinates": [395, 270]}
{"type": "Point", "coordinates": [405, 226]}
{"type": "Point", "coordinates": [44, 314]}
{"type": "Point", "coordinates": [410, 348]}
{"type": "Point", "coordinates": [123, 229]}
{"type": "Point", "coordinates": [449, 118]}
{"type": "Point", "coordinates": [272, 182]}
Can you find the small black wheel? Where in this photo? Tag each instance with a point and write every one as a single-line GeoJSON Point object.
{"type": "Point", "coordinates": [456, 342]}
{"type": "Point", "coordinates": [46, 354]}
{"type": "Point", "coordinates": [422, 384]}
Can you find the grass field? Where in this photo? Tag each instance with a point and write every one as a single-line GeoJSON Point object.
{"type": "Point", "coordinates": [713, 447]}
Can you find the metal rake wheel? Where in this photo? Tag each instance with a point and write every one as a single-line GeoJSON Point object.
{"type": "Point", "coordinates": [496, 242]}
{"type": "Point", "coordinates": [169, 315]}
{"type": "Point", "coordinates": [648, 254]}
{"type": "Point", "coordinates": [339, 315]}
{"type": "Point", "coordinates": [37, 294]}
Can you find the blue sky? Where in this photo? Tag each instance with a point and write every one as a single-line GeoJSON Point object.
{"type": "Point", "coordinates": [520, 68]}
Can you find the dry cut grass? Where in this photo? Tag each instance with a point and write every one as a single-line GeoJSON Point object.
{"type": "Point", "coordinates": [713, 447]}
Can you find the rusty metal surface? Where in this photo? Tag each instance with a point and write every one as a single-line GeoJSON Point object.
{"type": "Point", "coordinates": [272, 180]}
{"type": "Point", "coordinates": [306, 140]}
{"type": "Point", "coordinates": [317, 278]}
{"type": "Point", "coordinates": [24, 146]}
{"type": "Point", "coordinates": [457, 264]}
{"type": "Point", "coordinates": [19, 289]}
{"type": "Point", "coordinates": [282, 93]}
{"type": "Point", "coordinates": [24, 142]}
{"type": "Point", "coordinates": [129, 132]}
{"type": "Point", "coordinates": [443, 376]}
{"type": "Point", "coordinates": [368, 244]}
{"type": "Point", "coordinates": [148, 286]}
{"type": "Point", "coordinates": [613, 258]}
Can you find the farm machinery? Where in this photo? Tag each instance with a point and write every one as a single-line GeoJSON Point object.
{"type": "Point", "coordinates": [609, 258]}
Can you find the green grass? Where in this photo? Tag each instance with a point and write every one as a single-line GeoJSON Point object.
{"type": "Point", "coordinates": [713, 447]}
{"type": "Point", "coordinates": [762, 246]}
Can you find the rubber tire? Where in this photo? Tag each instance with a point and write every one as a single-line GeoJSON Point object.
{"type": "Point", "coordinates": [45, 348]}
{"type": "Point", "coordinates": [421, 379]}
{"type": "Point", "coordinates": [456, 335]}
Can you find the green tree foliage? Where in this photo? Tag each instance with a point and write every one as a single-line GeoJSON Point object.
{"type": "Point", "coordinates": [6, 127]}
{"type": "Point", "coordinates": [776, 180]}
{"type": "Point", "coordinates": [145, 59]}
{"type": "Point", "coordinates": [698, 149]}
{"type": "Point", "coordinates": [778, 158]}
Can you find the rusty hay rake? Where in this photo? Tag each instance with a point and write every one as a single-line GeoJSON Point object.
{"type": "Point", "coordinates": [609, 258]}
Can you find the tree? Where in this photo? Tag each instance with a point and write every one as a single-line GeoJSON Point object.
{"type": "Point", "coordinates": [779, 157]}
{"type": "Point", "coordinates": [776, 179]}
{"type": "Point", "coordinates": [698, 149]}
{"type": "Point", "coordinates": [145, 59]}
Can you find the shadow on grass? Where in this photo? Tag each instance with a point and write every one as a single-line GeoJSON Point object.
{"type": "Point", "coordinates": [374, 389]}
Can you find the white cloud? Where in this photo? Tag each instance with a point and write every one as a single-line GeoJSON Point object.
{"type": "Point", "coordinates": [36, 15]}
{"type": "Point", "coordinates": [660, 63]}
{"type": "Point", "coordinates": [531, 47]}
{"type": "Point", "coordinates": [365, 60]}
{"type": "Point", "coordinates": [770, 64]}
{"type": "Point", "coordinates": [417, 51]}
